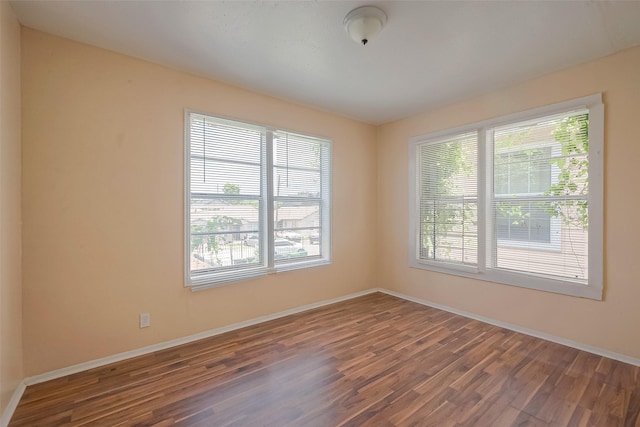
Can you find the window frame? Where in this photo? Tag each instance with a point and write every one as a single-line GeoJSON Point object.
{"type": "Point", "coordinates": [265, 214]}
{"type": "Point", "coordinates": [593, 289]}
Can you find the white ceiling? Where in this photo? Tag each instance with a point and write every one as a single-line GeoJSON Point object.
{"type": "Point", "coordinates": [429, 53]}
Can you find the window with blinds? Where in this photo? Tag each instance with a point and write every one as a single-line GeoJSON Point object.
{"type": "Point", "coordinates": [448, 199]}
{"type": "Point", "coordinates": [539, 203]}
{"type": "Point", "coordinates": [257, 200]}
{"type": "Point", "coordinates": [300, 179]}
{"type": "Point", "coordinates": [515, 200]}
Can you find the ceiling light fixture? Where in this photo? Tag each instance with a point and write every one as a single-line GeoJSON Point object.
{"type": "Point", "coordinates": [364, 23]}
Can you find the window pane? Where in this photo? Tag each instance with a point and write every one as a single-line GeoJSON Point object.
{"type": "Point", "coordinates": [523, 171]}
{"type": "Point", "coordinates": [214, 177]}
{"type": "Point", "coordinates": [518, 173]}
{"type": "Point", "coordinates": [501, 174]}
{"type": "Point", "coordinates": [541, 221]}
{"type": "Point", "coordinates": [211, 214]}
{"type": "Point", "coordinates": [540, 172]}
{"type": "Point", "coordinates": [221, 139]}
{"type": "Point", "coordinates": [298, 183]}
{"type": "Point", "coordinates": [296, 151]}
{"type": "Point", "coordinates": [298, 165]}
{"type": "Point", "coordinates": [301, 197]}
{"type": "Point", "coordinates": [569, 261]}
{"type": "Point", "coordinates": [225, 180]}
{"type": "Point", "coordinates": [224, 233]}
{"type": "Point", "coordinates": [447, 183]}
{"type": "Point", "coordinates": [217, 252]}
{"type": "Point", "coordinates": [448, 231]}
{"type": "Point", "coordinates": [297, 229]}
{"type": "Point", "coordinates": [523, 221]}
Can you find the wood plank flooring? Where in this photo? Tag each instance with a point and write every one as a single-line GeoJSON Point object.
{"type": "Point", "coordinates": [371, 361]}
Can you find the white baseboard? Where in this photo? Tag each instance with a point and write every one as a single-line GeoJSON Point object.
{"type": "Point", "coordinates": [13, 404]}
{"type": "Point", "coordinates": [58, 373]}
{"type": "Point", "coordinates": [580, 346]}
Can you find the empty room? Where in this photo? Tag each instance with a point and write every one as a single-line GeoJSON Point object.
{"type": "Point", "coordinates": [329, 213]}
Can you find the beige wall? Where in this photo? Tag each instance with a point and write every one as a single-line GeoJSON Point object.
{"type": "Point", "coordinates": [10, 250]}
{"type": "Point", "coordinates": [611, 324]}
{"type": "Point", "coordinates": [103, 204]}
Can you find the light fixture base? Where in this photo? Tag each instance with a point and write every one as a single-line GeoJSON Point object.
{"type": "Point", "coordinates": [364, 23]}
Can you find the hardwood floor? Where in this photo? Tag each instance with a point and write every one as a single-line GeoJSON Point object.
{"type": "Point", "coordinates": [372, 361]}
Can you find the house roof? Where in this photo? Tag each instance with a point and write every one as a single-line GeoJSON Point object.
{"type": "Point", "coordinates": [246, 213]}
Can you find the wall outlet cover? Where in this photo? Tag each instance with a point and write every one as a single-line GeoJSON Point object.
{"type": "Point", "coordinates": [145, 320]}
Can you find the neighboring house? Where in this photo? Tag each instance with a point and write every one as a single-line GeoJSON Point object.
{"type": "Point", "coordinates": [286, 216]}
{"type": "Point", "coordinates": [241, 220]}
{"type": "Point", "coordinates": [297, 216]}
{"type": "Point", "coordinates": [246, 217]}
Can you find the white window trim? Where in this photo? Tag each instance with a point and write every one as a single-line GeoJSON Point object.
{"type": "Point", "coordinates": [594, 287]}
{"type": "Point", "coordinates": [266, 216]}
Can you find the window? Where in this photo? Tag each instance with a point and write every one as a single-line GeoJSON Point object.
{"type": "Point", "coordinates": [514, 200]}
{"type": "Point", "coordinates": [525, 172]}
{"type": "Point", "coordinates": [257, 200]}
{"type": "Point", "coordinates": [449, 200]}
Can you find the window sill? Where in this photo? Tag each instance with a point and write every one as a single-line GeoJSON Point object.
{"type": "Point", "coordinates": [504, 277]}
{"type": "Point", "coordinates": [223, 279]}
{"type": "Point", "coordinates": [302, 264]}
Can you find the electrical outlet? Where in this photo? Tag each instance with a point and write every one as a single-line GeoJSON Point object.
{"type": "Point", "coordinates": [145, 320]}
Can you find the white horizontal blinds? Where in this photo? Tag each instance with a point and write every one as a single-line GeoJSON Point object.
{"type": "Point", "coordinates": [447, 184]}
{"type": "Point", "coordinates": [301, 197]}
{"type": "Point", "coordinates": [226, 194]}
{"type": "Point", "coordinates": [538, 207]}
